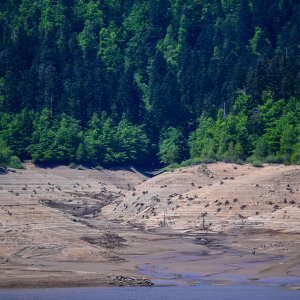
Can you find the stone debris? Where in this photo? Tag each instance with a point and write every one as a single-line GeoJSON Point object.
{"type": "Point", "coordinates": [121, 280]}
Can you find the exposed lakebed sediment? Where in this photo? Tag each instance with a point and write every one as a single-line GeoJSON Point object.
{"type": "Point", "coordinates": [208, 223]}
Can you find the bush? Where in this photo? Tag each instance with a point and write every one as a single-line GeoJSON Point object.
{"type": "Point", "coordinates": [251, 159]}
{"type": "Point", "coordinates": [187, 163]}
{"type": "Point", "coordinates": [191, 162]}
{"type": "Point", "coordinates": [229, 160]}
{"type": "Point", "coordinates": [257, 164]}
{"type": "Point", "coordinates": [208, 160]}
{"type": "Point", "coordinates": [170, 168]}
{"type": "Point", "coordinates": [5, 153]}
{"type": "Point", "coordinates": [72, 165]}
{"type": "Point", "coordinates": [99, 168]}
{"type": "Point", "coordinates": [15, 163]}
{"type": "Point", "coordinates": [296, 154]}
{"type": "Point", "coordinates": [239, 162]}
{"type": "Point", "coordinates": [273, 159]}
{"type": "Point", "coordinates": [196, 161]}
{"type": "Point", "coordinates": [261, 148]}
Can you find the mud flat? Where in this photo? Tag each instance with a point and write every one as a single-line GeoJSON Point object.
{"type": "Point", "coordinates": [212, 224]}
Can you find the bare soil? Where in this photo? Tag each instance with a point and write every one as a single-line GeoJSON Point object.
{"type": "Point", "coordinates": [218, 223]}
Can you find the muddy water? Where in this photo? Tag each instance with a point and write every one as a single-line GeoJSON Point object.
{"type": "Point", "coordinates": [162, 276]}
{"type": "Point", "coordinates": [173, 293]}
{"type": "Point", "coordinates": [176, 267]}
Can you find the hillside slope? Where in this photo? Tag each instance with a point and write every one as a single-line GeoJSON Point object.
{"type": "Point", "coordinates": [227, 196]}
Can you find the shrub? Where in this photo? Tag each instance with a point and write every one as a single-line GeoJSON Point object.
{"type": "Point", "coordinates": [196, 161]}
{"type": "Point", "coordinates": [5, 153]}
{"type": "Point", "coordinates": [172, 147]}
{"type": "Point", "coordinates": [251, 159]}
{"type": "Point", "coordinates": [80, 167]}
{"type": "Point", "coordinates": [99, 168]}
{"type": "Point", "coordinates": [257, 164]}
{"type": "Point", "coordinates": [170, 168]}
{"type": "Point", "coordinates": [261, 148]}
{"type": "Point", "coordinates": [273, 159]}
{"type": "Point", "coordinates": [72, 165]}
{"type": "Point", "coordinates": [239, 162]}
{"type": "Point", "coordinates": [15, 163]}
{"type": "Point", "coordinates": [208, 160]}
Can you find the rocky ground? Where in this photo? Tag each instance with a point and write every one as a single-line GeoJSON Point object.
{"type": "Point", "coordinates": [216, 223]}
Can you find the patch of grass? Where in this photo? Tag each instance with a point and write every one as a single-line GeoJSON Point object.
{"type": "Point", "coordinates": [15, 163]}
{"type": "Point", "coordinates": [170, 167]}
{"type": "Point", "coordinates": [257, 164]}
{"type": "Point", "coordinates": [197, 161]}
{"type": "Point", "coordinates": [251, 159]}
{"type": "Point", "coordinates": [208, 160]}
{"type": "Point", "coordinates": [188, 163]}
{"type": "Point", "coordinates": [273, 159]}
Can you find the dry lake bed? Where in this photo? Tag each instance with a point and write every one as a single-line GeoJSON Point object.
{"type": "Point", "coordinates": [199, 230]}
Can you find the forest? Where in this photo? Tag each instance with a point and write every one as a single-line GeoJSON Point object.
{"type": "Point", "coordinates": [149, 82]}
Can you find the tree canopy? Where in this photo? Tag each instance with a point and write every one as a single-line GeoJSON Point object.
{"type": "Point", "coordinates": [127, 81]}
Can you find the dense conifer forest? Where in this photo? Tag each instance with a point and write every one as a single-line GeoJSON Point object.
{"type": "Point", "coordinates": [136, 82]}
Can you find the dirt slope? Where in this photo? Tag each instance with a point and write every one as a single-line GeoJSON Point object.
{"type": "Point", "coordinates": [48, 219]}
{"type": "Point", "coordinates": [224, 196]}
{"type": "Point", "coordinates": [64, 227]}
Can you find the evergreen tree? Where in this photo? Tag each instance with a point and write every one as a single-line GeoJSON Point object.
{"type": "Point", "coordinates": [172, 147]}
{"type": "Point", "coordinates": [150, 66]}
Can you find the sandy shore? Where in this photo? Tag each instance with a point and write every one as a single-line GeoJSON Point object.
{"type": "Point", "coordinates": [219, 223]}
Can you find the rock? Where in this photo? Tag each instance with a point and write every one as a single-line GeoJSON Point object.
{"type": "Point", "coordinates": [121, 280]}
{"type": "Point", "coordinates": [202, 241]}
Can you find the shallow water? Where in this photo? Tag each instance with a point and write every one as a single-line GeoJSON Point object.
{"type": "Point", "coordinates": [233, 292]}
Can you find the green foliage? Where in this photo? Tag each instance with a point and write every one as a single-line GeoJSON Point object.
{"type": "Point", "coordinates": [52, 15]}
{"type": "Point", "coordinates": [296, 149]}
{"type": "Point", "coordinates": [54, 141]}
{"type": "Point", "coordinates": [92, 140]}
{"type": "Point", "coordinates": [18, 132]}
{"type": "Point", "coordinates": [259, 42]}
{"type": "Point", "coordinates": [164, 64]}
{"type": "Point", "coordinates": [89, 11]}
{"type": "Point", "coordinates": [67, 139]}
{"type": "Point", "coordinates": [137, 21]}
{"type": "Point", "coordinates": [5, 153]}
{"type": "Point", "coordinates": [109, 50]}
{"type": "Point", "coordinates": [261, 148]}
{"type": "Point", "coordinates": [273, 159]}
{"type": "Point", "coordinates": [81, 154]}
{"type": "Point", "coordinates": [15, 163]}
{"type": "Point", "coordinates": [227, 138]}
{"type": "Point", "coordinates": [201, 141]}
{"type": "Point", "coordinates": [257, 164]}
{"type": "Point", "coordinates": [197, 161]}
{"type": "Point", "coordinates": [169, 47]}
{"type": "Point", "coordinates": [42, 138]}
{"type": "Point", "coordinates": [107, 143]}
{"type": "Point", "coordinates": [233, 137]}
{"type": "Point", "coordinates": [172, 148]}
{"type": "Point", "coordinates": [287, 141]}
{"type": "Point", "coordinates": [131, 143]}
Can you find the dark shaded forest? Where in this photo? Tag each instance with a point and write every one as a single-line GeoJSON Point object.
{"type": "Point", "coordinates": [122, 82]}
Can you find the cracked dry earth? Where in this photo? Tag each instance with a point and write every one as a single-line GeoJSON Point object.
{"type": "Point", "coordinates": [218, 223]}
